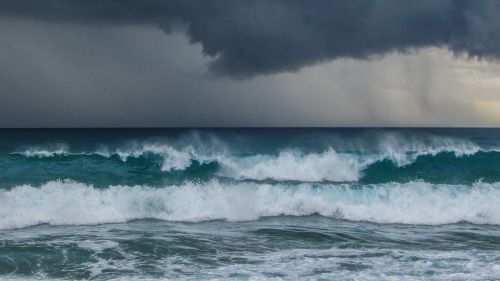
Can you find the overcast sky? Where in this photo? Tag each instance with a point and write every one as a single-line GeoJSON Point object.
{"type": "Point", "coordinates": [107, 63]}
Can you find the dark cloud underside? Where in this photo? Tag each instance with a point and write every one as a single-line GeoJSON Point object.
{"type": "Point", "coordinates": [252, 37]}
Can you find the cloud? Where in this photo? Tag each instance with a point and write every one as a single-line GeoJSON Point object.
{"type": "Point", "coordinates": [245, 38]}
{"type": "Point", "coordinates": [64, 75]}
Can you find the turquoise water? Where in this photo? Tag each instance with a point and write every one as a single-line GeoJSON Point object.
{"type": "Point", "coordinates": [342, 204]}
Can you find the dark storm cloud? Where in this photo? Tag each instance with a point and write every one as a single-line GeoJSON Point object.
{"type": "Point", "coordinates": [247, 38]}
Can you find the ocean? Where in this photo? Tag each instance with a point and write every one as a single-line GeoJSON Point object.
{"type": "Point", "coordinates": [250, 204]}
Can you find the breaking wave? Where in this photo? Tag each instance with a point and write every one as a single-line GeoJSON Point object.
{"type": "Point", "coordinates": [286, 165]}
{"type": "Point", "coordinates": [72, 203]}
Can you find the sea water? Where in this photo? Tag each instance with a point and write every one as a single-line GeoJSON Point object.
{"type": "Point", "coordinates": [336, 204]}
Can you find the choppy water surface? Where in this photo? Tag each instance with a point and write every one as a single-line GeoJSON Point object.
{"type": "Point", "coordinates": [343, 204]}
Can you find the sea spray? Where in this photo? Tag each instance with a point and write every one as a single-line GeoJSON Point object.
{"type": "Point", "coordinates": [231, 204]}
{"type": "Point", "coordinates": [67, 202]}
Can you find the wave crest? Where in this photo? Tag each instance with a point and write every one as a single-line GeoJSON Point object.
{"type": "Point", "coordinates": [296, 166]}
{"type": "Point", "coordinates": [332, 165]}
{"type": "Point", "coordinates": [71, 203]}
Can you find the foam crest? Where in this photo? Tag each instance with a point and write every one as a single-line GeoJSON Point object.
{"type": "Point", "coordinates": [296, 166]}
{"type": "Point", "coordinates": [405, 150]}
{"type": "Point", "coordinates": [173, 159]}
{"type": "Point", "coordinates": [333, 164]}
{"type": "Point", "coordinates": [330, 165]}
{"type": "Point", "coordinates": [50, 151]}
{"type": "Point", "coordinates": [71, 203]}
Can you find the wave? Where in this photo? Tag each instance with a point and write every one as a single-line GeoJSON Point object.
{"type": "Point", "coordinates": [46, 152]}
{"type": "Point", "coordinates": [173, 159]}
{"type": "Point", "coordinates": [405, 150]}
{"type": "Point", "coordinates": [286, 165]}
{"type": "Point", "coordinates": [294, 165]}
{"type": "Point", "coordinates": [72, 203]}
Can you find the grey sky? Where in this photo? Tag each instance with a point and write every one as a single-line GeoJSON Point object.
{"type": "Point", "coordinates": [252, 63]}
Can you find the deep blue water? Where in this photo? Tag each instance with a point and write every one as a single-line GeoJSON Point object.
{"type": "Point", "coordinates": [343, 204]}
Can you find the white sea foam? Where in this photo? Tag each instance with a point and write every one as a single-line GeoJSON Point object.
{"type": "Point", "coordinates": [296, 166]}
{"type": "Point", "coordinates": [173, 159]}
{"type": "Point", "coordinates": [405, 150]}
{"type": "Point", "coordinates": [289, 164]}
{"type": "Point", "coordinates": [369, 264]}
{"type": "Point", "coordinates": [66, 202]}
{"type": "Point", "coordinates": [45, 152]}
{"type": "Point", "coordinates": [334, 166]}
